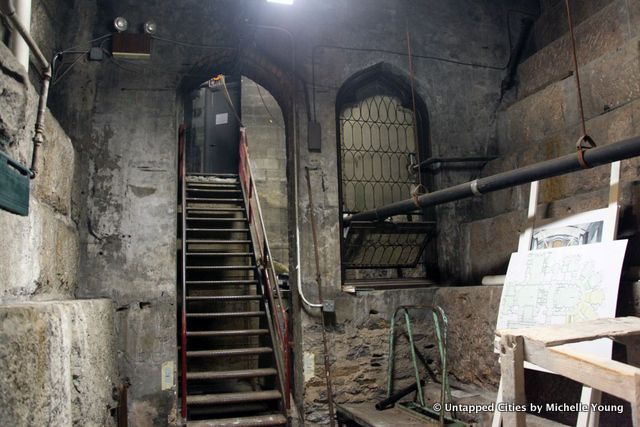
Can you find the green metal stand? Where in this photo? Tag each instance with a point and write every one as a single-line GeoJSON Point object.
{"type": "Point", "coordinates": [441, 331]}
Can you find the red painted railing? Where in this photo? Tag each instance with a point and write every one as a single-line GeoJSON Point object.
{"type": "Point", "coordinates": [182, 172]}
{"type": "Point", "coordinates": [276, 310]}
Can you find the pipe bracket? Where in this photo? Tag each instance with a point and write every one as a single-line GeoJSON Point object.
{"type": "Point", "coordinates": [585, 142]}
{"type": "Point", "coordinates": [473, 185]}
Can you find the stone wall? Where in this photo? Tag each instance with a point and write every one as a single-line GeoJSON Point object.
{"type": "Point", "coordinates": [58, 354]}
{"type": "Point", "coordinates": [41, 251]}
{"type": "Point", "coordinates": [58, 363]}
{"type": "Point", "coordinates": [543, 123]}
{"type": "Point", "coordinates": [461, 99]}
{"type": "Point", "coordinates": [262, 117]}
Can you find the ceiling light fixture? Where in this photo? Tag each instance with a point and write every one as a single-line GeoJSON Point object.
{"type": "Point", "coordinates": [120, 24]}
{"type": "Point", "coordinates": [281, 1]}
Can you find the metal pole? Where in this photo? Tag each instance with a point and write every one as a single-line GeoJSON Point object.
{"type": "Point", "coordinates": [18, 44]}
{"type": "Point", "coordinates": [598, 156]}
{"type": "Point", "coordinates": [327, 363]}
{"type": "Point", "coordinates": [8, 10]}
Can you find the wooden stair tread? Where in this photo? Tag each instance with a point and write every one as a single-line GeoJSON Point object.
{"type": "Point", "coordinates": [222, 282]}
{"type": "Point", "coordinates": [228, 314]}
{"type": "Point", "coordinates": [224, 298]}
{"type": "Point", "coordinates": [223, 375]}
{"type": "Point", "coordinates": [227, 398]}
{"type": "Point", "coordinates": [230, 352]}
{"type": "Point", "coordinates": [250, 421]}
{"type": "Point", "coordinates": [227, 332]}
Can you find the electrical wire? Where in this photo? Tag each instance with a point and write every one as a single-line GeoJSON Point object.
{"type": "Point", "coordinates": [273, 119]}
{"type": "Point", "coordinates": [57, 79]}
{"type": "Point", "coordinates": [222, 79]}
{"type": "Point", "coordinates": [196, 45]}
{"type": "Point", "coordinates": [105, 36]}
{"type": "Point", "coordinates": [72, 50]}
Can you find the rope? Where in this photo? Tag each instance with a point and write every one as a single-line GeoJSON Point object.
{"type": "Point", "coordinates": [220, 78]}
{"type": "Point", "coordinates": [585, 142]}
{"type": "Point", "coordinates": [413, 101]}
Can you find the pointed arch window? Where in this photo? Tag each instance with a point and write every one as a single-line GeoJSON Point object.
{"type": "Point", "coordinates": [380, 139]}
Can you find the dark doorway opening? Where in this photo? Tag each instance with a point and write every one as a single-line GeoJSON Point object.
{"type": "Point", "coordinates": [212, 114]}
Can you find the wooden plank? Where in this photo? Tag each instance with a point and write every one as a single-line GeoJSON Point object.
{"type": "Point", "coordinates": [512, 369]}
{"type": "Point", "coordinates": [366, 415]}
{"type": "Point", "coordinates": [615, 378]}
{"type": "Point", "coordinates": [524, 244]}
{"type": "Point", "coordinates": [497, 415]}
{"type": "Point", "coordinates": [614, 328]}
{"type": "Point", "coordinates": [610, 231]}
{"type": "Point", "coordinates": [589, 418]}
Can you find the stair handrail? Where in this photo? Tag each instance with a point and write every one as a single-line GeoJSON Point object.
{"type": "Point", "coordinates": [182, 172]}
{"type": "Point", "coordinates": [264, 258]}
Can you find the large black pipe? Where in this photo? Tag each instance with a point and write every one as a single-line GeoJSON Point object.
{"type": "Point", "coordinates": [548, 169]}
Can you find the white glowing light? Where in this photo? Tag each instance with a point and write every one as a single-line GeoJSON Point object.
{"type": "Point", "coordinates": [281, 1]}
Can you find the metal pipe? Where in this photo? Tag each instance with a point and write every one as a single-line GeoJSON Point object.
{"type": "Point", "coordinates": [7, 9]}
{"type": "Point", "coordinates": [327, 363]}
{"type": "Point", "coordinates": [548, 169]}
{"type": "Point", "coordinates": [433, 160]}
{"type": "Point", "coordinates": [516, 55]}
{"type": "Point", "coordinates": [296, 155]}
{"type": "Point", "coordinates": [18, 45]}
{"type": "Point", "coordinates": [38, 138]}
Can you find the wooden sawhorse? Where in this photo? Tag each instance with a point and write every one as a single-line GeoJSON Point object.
{"type": "Point", "coordinates": [544, 346]}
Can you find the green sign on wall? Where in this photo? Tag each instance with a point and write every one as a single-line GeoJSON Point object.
{"type": "Point", "coordinates": [14, 186]}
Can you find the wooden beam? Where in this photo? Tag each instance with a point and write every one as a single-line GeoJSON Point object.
{"type": "Point", "coordinates": [512, 369]}
{"type": "Point", "coordinates": [616, 329]}
{"type": "Point", "coordinates": [615, 378]}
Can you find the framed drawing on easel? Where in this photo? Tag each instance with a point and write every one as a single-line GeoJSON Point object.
{"type": "Point", "coordinates": [554, 239]}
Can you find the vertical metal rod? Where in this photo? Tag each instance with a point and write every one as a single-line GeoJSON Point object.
{"type": "Point", "coordinates": [392, 343]}
{"type": "Point", "coordinates": [414, 358]}
{"type": "Point", "coordinates": [575, 67]}
{"type": "Point", "coordinates": [327, 368]}
{"type": "Point", "coordinates": [413, 101]}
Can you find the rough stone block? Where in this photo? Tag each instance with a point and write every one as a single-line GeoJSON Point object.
{"type": "Point", "coordinates": [17, 107]}
{"type": "Point", "coordinates": [491, 242]}
{"type": "Point", "coordinates": [58, 365]}
{"type": "Point", "coordinates": [41, 256]}
{"type": "Point", "coordinates": [472, 312]}
{"type": "Point", "coordinates": [53, 185]}
{"type": "Point", "coordinates": [534, 117]}
{"type": "Point", "coordinates": [599, 34]}
{"type": "Point", "coordinates": [146, 333]}
{"type": "Point", "coordinates": [613, 80]}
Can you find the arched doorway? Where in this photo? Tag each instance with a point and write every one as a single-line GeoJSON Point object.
{"type": "Point", "coordinates": [382, 136]}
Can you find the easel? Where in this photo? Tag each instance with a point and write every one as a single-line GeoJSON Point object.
{"type": "Point", "coordinates": [589, 395]}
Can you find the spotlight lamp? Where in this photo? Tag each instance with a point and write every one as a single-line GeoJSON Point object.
{"type": "Point", "coordinates": [150, 27]}
{"type": "Point", "coordinates": [120, 24]}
